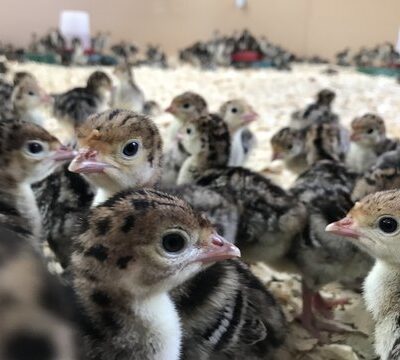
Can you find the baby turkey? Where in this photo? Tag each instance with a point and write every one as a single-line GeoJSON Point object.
{"type": "Point", "coordinates": [185, 107]}
{"type": "Point", "coordinates": [74, 106]}
{"type": "Point", "coordinates": [133, 250]}
{"type": "Point", "coordinates": [301, 148]}
{"type": "Point", "coordinates": [211, 328]}
{"type": "Point", "coordinates": [368, 142]}
{"type": "Point", "coordinates": [322, 258]}
{"type": "Point", "coordinates": [28, 154]}
{"type": "Point", "coordinates": [122, 149]}
{"type": "Point", "coordinates": [383, 175]}
{"type": "Point", "coordinates": [15, 100]}
{"type": "Point", "coordinates": [128, 95]}
{"type": "Point", "coordinates": [317, 112]}
{"type": "Point", "coordinates": [28, 100]}
{"type": "Point", "coordinates": [373, 225]}
{"type": "Point", "coordinates": [268, 216]}
{"type": "Point", "coordinates": [238, 114]}
{"type": "Point", "coordinates": [207, 140]}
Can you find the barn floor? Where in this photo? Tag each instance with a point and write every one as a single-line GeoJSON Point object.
{"type": "Point", "coordinates": [274, 95]}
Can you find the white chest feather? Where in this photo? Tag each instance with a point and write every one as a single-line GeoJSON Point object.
{"type": "Point", "coordinates": [127, 97]}
{"type": "Point", "coordinates": [360, 158]}
{"type": "Point", "coordinates": [100, 197]}
{"type": "Point", "coordinates": [161, 313]}
{"type": "Point", "coordinates": [35, 116]}
{"type": "Point", "coordinates": [381, 295]}
{"type": "Point", "coordinates": [237, 156]}
{"type": "Point", "coordinates": [26, 204]}
{"type": "Point", "coordinates": [188, 171]}
{"type": "Point", "coordinates": [172, 132]}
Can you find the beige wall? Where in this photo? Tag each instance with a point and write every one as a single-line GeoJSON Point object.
{"type": "Point", "coordinates": [305, 26]}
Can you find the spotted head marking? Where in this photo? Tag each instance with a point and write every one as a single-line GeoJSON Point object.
{"type": "Point", "coordinates": [119, 149]}
{"type": "Point", "coordinates": [142, 240]}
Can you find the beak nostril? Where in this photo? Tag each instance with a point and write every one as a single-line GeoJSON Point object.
{"type": "Point", "coordinates": [216, 240]}
{"type": "Point", "coordinates": [347, 221]}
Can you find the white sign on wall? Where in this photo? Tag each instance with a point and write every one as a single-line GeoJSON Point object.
{"type": "Point", "coordinates": [75, 24]}
{"type": "Point", "coordinates": [241, 3]}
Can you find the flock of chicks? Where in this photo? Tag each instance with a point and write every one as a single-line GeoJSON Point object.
{"type": "Point", "coordinates": [219, 49]}
{"type": "Point", "coordinates": [114, 247]}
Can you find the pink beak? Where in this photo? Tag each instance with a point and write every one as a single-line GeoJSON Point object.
{"type": "Point", "coordinates": [276, 156]}
{"type": "Point", "coordinates": [179, 136]}
{"type": "Point", "coordinates": [249, 117]}
{"type": "Point", "coordinates": [64, 153]}
{"type": "Point", "coordinates": [170, 109]}
{"type": "Point", "coordinates": [354, 137]}
{"type": "Point", "coordinates": [46, 99]}
{"type": "Point", "coordinates": [217, 249]}
{"type": "Point", "coordinates": [345, 227]}
{"type": "Point", "coordinates": [86, 163]}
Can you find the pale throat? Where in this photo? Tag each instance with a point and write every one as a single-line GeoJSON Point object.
{"type": "Point", "coordinates": [27, 205]}
{"type": "Point", "coordinates": [102, 195]}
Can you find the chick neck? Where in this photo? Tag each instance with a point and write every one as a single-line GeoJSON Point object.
{"type": "Point", "coordinates": [134, 318]}
{"type": "Point", "coordinates": [381, 289]}
{"type": "Point", "coordinates": [193, 167]}
{"type": "Point", "coordinates": [103, 194]}
{"type": "Point", "coordinates": [110, 188]}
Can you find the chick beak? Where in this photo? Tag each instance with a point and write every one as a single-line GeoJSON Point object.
{"type": "Point", "coordinates": [64, 153]}
{"type": "Point", "coordinates": [179, 136]}
{"type": "Point", "coordinates": [216, 249]}
{"type": "Point", "coordinates": [249, 117]}
{"type": "Point", "coordinates": [276, 156]}
{"type": "Point", "coordinates": [354, 137]}
{"type": "Point", "coordinates": [170, 109]}
{"type": "Point", "coordinates": [86, 162]}
{"type": "Point", "coordinates": [345, 227]}
{"type": "Point", "coordinates": [45, 98]}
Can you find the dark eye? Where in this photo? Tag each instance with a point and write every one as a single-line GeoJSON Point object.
{"type": "Point", "coordinates": [290, 147]}
{"type": "Point", "coordinates": [173, 242]}
{"type": "Point", "coordinates": [34, 147]}
{"type": "Point", "coordinates": [188, 131]}
{"type": "Point", "coordinates": [131, 148]}
{"type": "Point", "coordinates": [234, 110]}
{"type": "Point", "coordinates": [31, 93]}
{"type": "Point", "coordinates": [388, 225]}
{"type": "Point", "coordinates": [370, 131]}
{"type": "Point", "coordinates": [186, 105]}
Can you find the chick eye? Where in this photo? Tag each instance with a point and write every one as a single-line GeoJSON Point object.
{"type": "Point", "coordinates": [370, 131]}
{"type": "Point", "coordinates": [34, 147]}
{"type": "Point", "coordinates": [234, 110]}
{"type": "Point", "coordinates": [173, 242]}
{"type": "Point", "coordinates": [186, 105]}
{"type": "Point", "coordinates": [388, 225]}
{"type": "Point", "coordinates": [290, 147]}
{"type": "Point", "coordinates": [31, 93]}
{"type": "Point", "coordinates": [188, 131]}
{"type": "Point", "coordinates": [131, 148]}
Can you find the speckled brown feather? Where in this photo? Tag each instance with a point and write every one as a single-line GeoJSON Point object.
{"type": "Point", "coordinates": [36, 312]}
{"type": "Point", "coordinates": [367, 121]}
{"type": "Point", "coordinates": [384, 175]}
{"type": "Point", "coordinates": [16, 170]}
{"type": "Point", "coordinates": [77, 104]}
{"type": "Point", "coordinates": [116, 237]}
{"type": "Point", "coordinates": [198, 103]}
{"type": "Point", "coordinates": [215, 144]}
{"type": "Point", "coordinates": [106, 130]}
